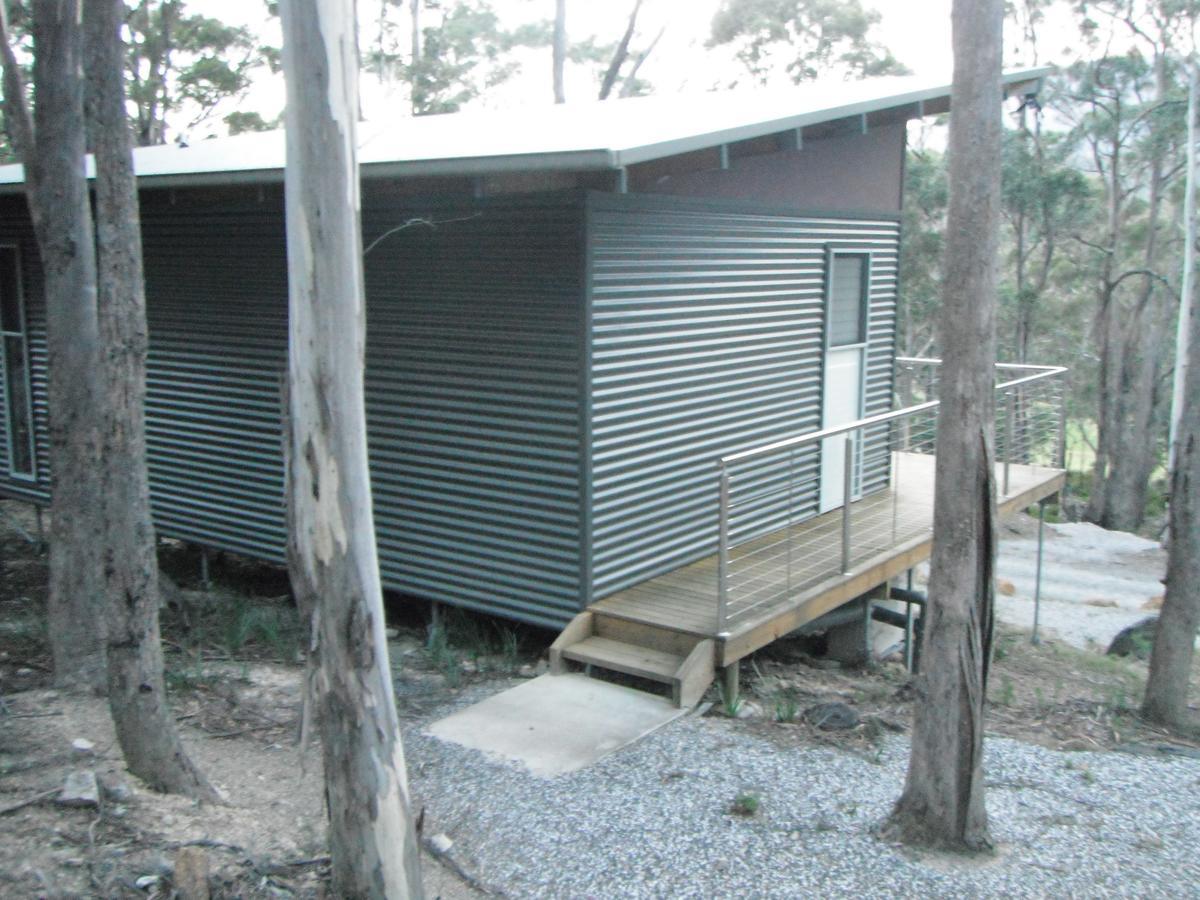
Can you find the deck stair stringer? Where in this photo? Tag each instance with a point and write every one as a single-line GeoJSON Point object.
{"type": "Point", "coordinates": [684, 662]}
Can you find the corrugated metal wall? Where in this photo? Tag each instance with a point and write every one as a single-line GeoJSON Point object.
{"type": "Point", "coordinates": [707, 338]}
{"type": "Point", "coordinates": [474, 386]}
{"type": "Point", "coordinates": [216, 289]}
{"type": "Point", "coordinates": [16, 229]}
{"type": "Point", "coordinates": [473, 389]}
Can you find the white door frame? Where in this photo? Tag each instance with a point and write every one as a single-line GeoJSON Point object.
{"type": "Point", "coordinates": [834, 360]}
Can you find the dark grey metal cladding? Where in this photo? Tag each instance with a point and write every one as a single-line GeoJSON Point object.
{"type": "Point", "coordinates": [473, 387]}
{"type": "Point", "coordinates": [707, 329]}
{"type": "Point", "coordinates": [216, 287]}
{"type": "Point", "coordinates": [17, 229]}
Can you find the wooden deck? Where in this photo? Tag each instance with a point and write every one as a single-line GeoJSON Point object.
{"type": "Point", "coordinates": [782, 580]}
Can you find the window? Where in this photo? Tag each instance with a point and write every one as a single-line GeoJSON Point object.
{"type": "Point", "coordinates": [847, 317]}
{"type": "Point", "coordinates": [18, 408]}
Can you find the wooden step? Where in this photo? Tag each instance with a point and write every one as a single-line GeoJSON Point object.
{"type": "Point", "coordinates": [631, 659]}
{"type": "Point", "coordinates": [683, 662]}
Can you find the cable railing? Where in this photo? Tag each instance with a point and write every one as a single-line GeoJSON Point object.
{"type": "Point", "coordinates": [784, 524]}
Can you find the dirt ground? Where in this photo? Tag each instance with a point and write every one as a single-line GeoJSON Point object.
{"type": "Point", "coordinates": [233, 673]}
{"type": "Point", "coordinates": [235, 681]}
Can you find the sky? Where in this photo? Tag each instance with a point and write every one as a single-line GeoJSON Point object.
{"type": "Point", "coordinates": [916, 31]}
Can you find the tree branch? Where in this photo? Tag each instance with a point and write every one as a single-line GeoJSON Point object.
{"type": "Point", "coordinates": [620, 54]}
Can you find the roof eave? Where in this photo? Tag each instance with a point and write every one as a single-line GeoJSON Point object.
{"type": "Point", "coordinates": [1023, 81]}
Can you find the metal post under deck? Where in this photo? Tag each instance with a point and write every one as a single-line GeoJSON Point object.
{"type": "Point", "coordinates": [1037, 578]}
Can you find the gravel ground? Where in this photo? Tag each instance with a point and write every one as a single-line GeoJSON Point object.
{"type": "Point", "coordinates": [653, 820]}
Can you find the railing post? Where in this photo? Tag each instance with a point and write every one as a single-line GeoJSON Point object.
{"type": "Point", "coordinates": [790, 513]}
{"type": "Point", "coordinates": [723, 552]}
{"type": "Point", "coordinates": [847, 490]}
{"type": "Point", "coordinates": [1061, 384]}
{"type": "Point", "coordinates": [1008, 436]}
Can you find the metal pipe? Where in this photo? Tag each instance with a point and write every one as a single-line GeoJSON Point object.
{"type": "Point", "coordinates": [723, 553]}
{"type": "Point", "coordinates": [1037, 578]}
{"type": "Point", "coordinates": [847, 488]}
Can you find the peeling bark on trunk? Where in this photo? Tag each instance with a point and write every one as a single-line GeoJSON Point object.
{"type": "Point", "coordinates": [1175, 637]}
{"type": "Point", "coordinates": [145, 725]}
{"type": "Point", "coordinates": [52, 146]}
{"type": "Point", "coordinates": [335, 570]}
{"type": "Point", "coordinates": [943, 803]}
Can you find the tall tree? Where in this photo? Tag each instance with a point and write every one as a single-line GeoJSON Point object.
{"type": "Point", "coordinates": [51, 144]}
{"type": "Point", "coordinates": [559, 50]}
{"type": "Point", "coordinates": [333, 561]}
{"type": "Point", "coordinates": [1175, 634]}
{"type": "Point", "coordinates": [456, 49]}
{"type": "Point", "coordinates": [943, 799]}
{"type": "Point", "coordinates": [1045, 200]}
{"type": "Point", "coordinates": [145, 725]}
{"type": "Point", "coordinates": [184, 62]}
{"type": "Point", "coordinates": [806, 38]}
{"type": "Point", "coordinates": [1122, 107]}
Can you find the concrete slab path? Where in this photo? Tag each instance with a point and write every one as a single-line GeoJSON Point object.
{"type": "Point", "coordinates": [557, 723]}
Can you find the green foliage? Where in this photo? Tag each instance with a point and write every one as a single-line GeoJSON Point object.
{"type": "Point", "coordinates": [786, 707]}
{"type": "Point", "coordinates": [1007, 692]}
{"type": "Point", "coordinates": [464, 50]}
{"type": "Point", "coordinates": [482, 640]}
{"type": "Point", "coordinates": [1045, 200]}
{"type": "Point", "coordinates": [926, 198]}
{"type": "Point", "coordinates": [745, 804]}
{"type": "Point", "coordinates": [731, 705]}
{"type": "Point", "coordinates": [245, 626]}
{"type": "Point", "coordinates": [809, 38]}
{"type": "Point", "coordinates": [240, 122]}
{"type": "Point", "coordinates": [184, 62]}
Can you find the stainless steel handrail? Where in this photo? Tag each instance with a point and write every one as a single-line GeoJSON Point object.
{"type": "Point", "coordinates": [1005, 393]}
{"type": "Point", "coordinates": [1041, 372]}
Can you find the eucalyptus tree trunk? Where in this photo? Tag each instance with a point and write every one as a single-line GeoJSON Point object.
{"type": "Point", "coordinates": [559, 51]}
{"type": "Point", "coordinates": [145, 725]}
{"type": "Point", "coordinates": [51, 144]}
{"type": "Point", "coordinates": [1175, 636]}
{"type": "Point", "coordinates": [943, 803]}
{"type": "Point", "coordinates": [334, 568]}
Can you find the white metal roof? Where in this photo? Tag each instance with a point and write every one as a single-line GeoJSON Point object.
{"type": "Point", "coordinates": [596, 135]}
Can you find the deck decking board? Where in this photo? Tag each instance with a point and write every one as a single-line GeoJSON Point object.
{"type": "Point", "coordinates": [891, 531]}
